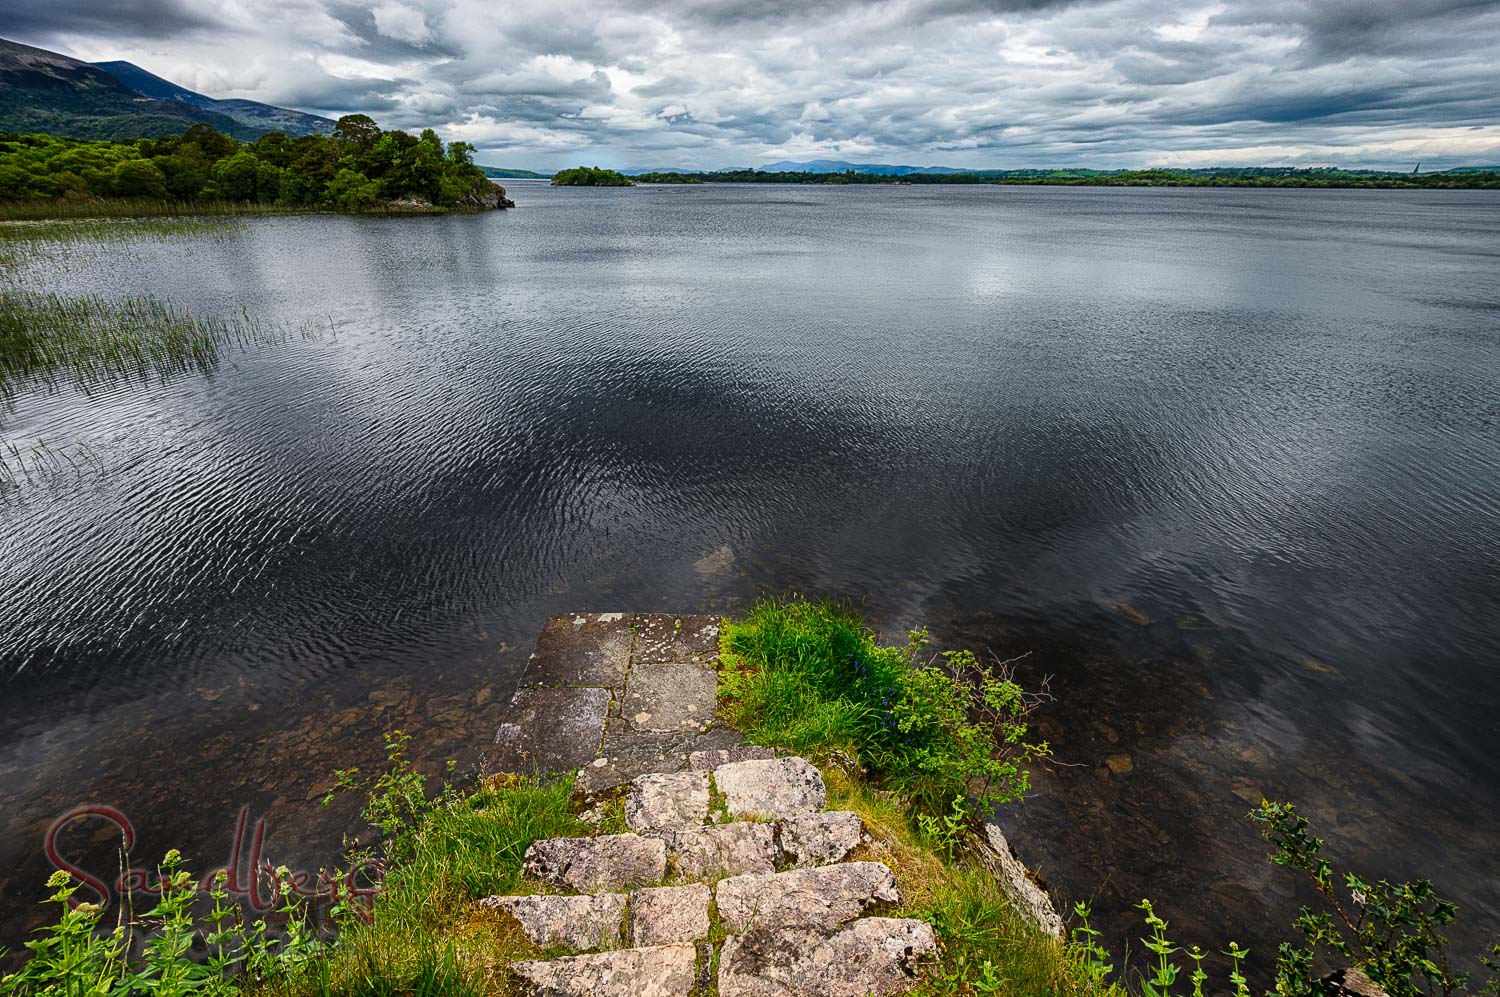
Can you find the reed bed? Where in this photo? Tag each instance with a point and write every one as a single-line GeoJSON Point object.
{"type": "Point", "coordinates": [21, 211]}
{"type": "Point", "coordinates": [47, 339]}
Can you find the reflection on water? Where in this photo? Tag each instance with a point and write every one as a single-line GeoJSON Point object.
{"type": "Point", "coordinates": [1225, 461]}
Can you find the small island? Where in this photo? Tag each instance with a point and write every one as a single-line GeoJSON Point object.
{"type": "Point", "coordinates": [590, 176]}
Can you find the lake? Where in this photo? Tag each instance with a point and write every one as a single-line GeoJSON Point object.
{"type": "Point", "coordinates": [1225, 463]}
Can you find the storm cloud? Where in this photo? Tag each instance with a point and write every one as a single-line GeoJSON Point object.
{"type": "Point", "coordinates": [718, 83]}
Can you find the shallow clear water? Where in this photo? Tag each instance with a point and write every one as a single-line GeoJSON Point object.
{"type": "Point", "coordinates": [1226, 462]}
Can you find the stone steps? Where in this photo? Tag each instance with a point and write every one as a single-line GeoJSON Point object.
{"type": "Point", "coordinates": [733, 874]}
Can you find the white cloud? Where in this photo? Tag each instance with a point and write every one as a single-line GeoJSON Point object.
{"type": "Point", "coordinates": [403, 23]}
{"type": "Point", "coordinates": [712, 83]}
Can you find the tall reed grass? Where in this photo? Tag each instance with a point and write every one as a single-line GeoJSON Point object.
{"type": "Point", "coordinates": [134, 208]}
{"type": "Point", "coordinates": [47, 339]}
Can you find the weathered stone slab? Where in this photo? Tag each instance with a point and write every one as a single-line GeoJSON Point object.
{"type": "Point", "coordinates": [629, 753]}
{"type": "Point", "coordinates": [669, 915]}
{"type": "Point", "coordinates": [667, 801]}
{"type": "Point", "coordinates": [824, 897]}
{"type": "Point", "coordinates": [774, 788]}
{"type": "Point", "coordinates": [664, 971]}
{"type": "Point", "coordinates": [738, 849]}
{"type": "Point", "coordinates": [819, 839]}
{"type": "Point", "coordinates": [581, 649]}
{"type": "Point", "coordinates": [662, 637]}
{"type": "Point", "coordinates": [578, 923]}
{"type": "Point", "coordinates": [549, 730]}
{"type": "Point", "coordinates": [590, 865]}
{"type": "Point", "coordinates": [877, 955]}
{"type": "Point", "coordinates": [707, 761]}
{"type": "Point", "coordinates": [673, 697]}
{"type": "Point", "coordinates": [1031, 900]}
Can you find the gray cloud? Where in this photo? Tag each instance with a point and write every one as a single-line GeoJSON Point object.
{"type": "Point", "coordinates": [710, 83]}
{"type": "Point", "coordinates": [134, 19]}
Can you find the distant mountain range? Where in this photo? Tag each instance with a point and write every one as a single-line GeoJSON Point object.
{"type": "Point", "coordinates": [250, 113]}
{"type": "Point", "coordinates": [42, 91]}
{"type": "Point", "coordinates": [501, 173]}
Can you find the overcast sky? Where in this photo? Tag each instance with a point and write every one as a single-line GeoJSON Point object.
{"type": "Point", "coordinates": [718, 83]}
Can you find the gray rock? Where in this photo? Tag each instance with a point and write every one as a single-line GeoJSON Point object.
{"type": "Point", "coordinates": [629, 753]}
{"type": "Point", "coordinates": [581, 649]}
{"type": "Point", "coordinates": [591, 865]}
{"type": "Point", "coordinates": [876, 955]}
{"type": "Point", "coordinates": [771, 788]}
{"type": "Point", "coordinates": [578, 923]}
{"type": "Point", "coordinates": [737, 849]}
{"type": "Point", "coordinates": [707, 761]}
{"type": "Point", "coordinates": [672, 697]}
{"type": "Point", "coordinates": [667, 801]}
{"type": "Point", "coordinates": [996, 855]}
{"type": "Point", "coordinates": [824, 897]}
{"type": "Point", "coordinates": [819, 839]}
{"type": "Point", "coordinates": [662, 637]}
{"type": "Point", "coordinates": [488, 197]}
{"type": "Point", "coordinates": [549, 730]}
{"type": "Point", "coordinates": [1350, 982]}
{"type": "Point", "coordinates": [665, 971]}
{"type": "Point", "coordinates": [669, 915]}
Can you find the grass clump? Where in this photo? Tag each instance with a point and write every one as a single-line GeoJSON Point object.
{"type": "Point", "coordinates": [404, 919]}
{"type": "Point", "coordinates": [811, 677]}
{"type": "Point", "coordinates": [46, 339]}
{"type": "Point", "coordinates": [987, 946]}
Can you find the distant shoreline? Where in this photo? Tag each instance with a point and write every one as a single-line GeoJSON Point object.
{"type": "Point", "coordinates": [1136, 178]}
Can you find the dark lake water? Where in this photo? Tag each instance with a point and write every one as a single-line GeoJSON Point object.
{"type": "Point", "coordinates": [1227, 463]}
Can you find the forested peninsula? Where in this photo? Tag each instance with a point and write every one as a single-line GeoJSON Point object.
{"type": "Point", "coordinates": [359, 168]}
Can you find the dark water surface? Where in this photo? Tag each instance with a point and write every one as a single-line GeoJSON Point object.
{"type": "Point", "coordinates": [1226, 462]}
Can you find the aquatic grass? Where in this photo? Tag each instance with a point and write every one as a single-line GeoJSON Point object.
{"type": "Point", "coordinates": [40, 459]}
{"type": "Point", "coordinates": [48, 339]}
{"type": "Point", "coordinates": [140, 208]}
{"type": "Point", "coordinates": [23, 242]}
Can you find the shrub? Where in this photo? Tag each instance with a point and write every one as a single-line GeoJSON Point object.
{"type": "Point", "coordinates": [811, 677]}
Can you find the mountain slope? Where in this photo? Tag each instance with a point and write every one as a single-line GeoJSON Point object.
{"type": "Point", "coordinates": [250, 113]}
{"type": "Point", "coordinates": [43, 91]}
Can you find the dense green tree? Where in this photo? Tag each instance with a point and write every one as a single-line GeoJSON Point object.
{"type": "Point", "coordinates": [139, 178]}
{"type": "Point", "coordinates": [589, 176]}
{"type": "Point", "coordinates": [359, 168]}
{"type": "Point", "coordinates": [236, 175]}
{"type": "Point", "coordinates": [353, 191]}
{"type": "Point", "coordinates": [358, 130]}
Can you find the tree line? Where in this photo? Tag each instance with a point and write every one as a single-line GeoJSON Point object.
{"type": "Point", "coordinates": [357, 168]}
{"type": "Point", "coordinates": [1235, 177]}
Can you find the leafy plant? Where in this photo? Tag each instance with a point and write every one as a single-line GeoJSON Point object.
{"type": "Point", "coordinates": [70, 958]}
{"type": "Point", "coordinates": [1390, 931]}
{"type": "Point", "coordinates": [1093, 956]}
